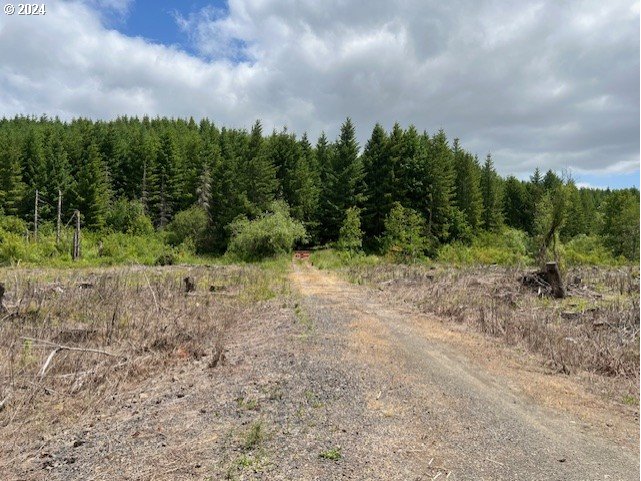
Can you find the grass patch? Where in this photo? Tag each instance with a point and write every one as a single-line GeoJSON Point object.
{"type": "Point", "coordinates": [254, 436]}
{"type": "Point", "coordinates": [333, 454]}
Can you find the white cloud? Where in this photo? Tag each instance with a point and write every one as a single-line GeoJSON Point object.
{"type": "Point", "coordinates": [552, 84]}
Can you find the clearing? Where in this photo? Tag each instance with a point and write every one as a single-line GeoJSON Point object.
{"type": "Point", "coordinates": [293, 375]}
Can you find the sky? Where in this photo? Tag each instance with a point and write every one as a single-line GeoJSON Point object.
{"type": "Point", "coordinates": [539, 83]}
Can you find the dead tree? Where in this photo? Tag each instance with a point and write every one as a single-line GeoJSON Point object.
{"type": "Point", "coordinates": [76, 238]}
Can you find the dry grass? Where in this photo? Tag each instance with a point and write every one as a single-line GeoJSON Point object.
{"type": "Point", "coordinates": [595, 329]}
{"type": "Point", "coordinates": [121, 325]}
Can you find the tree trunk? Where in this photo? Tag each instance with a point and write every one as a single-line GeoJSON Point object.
{"type": "Point", "coordinates": [554, 279]}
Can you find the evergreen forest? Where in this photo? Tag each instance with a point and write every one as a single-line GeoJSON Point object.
{"type": "Point", "coordinates": [141, 176]}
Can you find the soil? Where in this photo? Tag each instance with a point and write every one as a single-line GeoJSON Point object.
{"type": "Point", "coordinates": [336, 383]}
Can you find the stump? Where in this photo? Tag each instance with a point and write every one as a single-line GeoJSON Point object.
{"type": "Point", "coordinates": [553, 276]}
{"type": "Point", "coordinates": [190, 284]}
{"type": "Point", "coordinates": [2, 308]}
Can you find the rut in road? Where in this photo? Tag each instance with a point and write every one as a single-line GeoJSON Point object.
{"type": "Point", "coordinates": [476, 425]}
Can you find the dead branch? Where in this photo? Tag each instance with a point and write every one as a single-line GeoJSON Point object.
{"type": "Point", "coordinates": [58, 347]}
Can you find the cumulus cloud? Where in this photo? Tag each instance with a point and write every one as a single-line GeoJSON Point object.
{"type": "Point", "coordinates": [549, 84]}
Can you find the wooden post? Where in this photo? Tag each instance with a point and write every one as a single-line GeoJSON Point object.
{"type": "Point", "coordinates": [35, 217]}
{"type": "Point", "coordinates": [554, 279]}
{"type": "Point", "coordinates": [58, 219]}
{"type": "Point", "coordinates": [76, 237]}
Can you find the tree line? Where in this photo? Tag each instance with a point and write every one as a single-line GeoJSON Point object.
{"type": "Point", "coordinates": [161, 167]}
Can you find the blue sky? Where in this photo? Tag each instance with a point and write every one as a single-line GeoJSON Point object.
{"type": "Point", "coordinates": [549, 84]}
{"type": "Point", "coordinates": [156, 20]}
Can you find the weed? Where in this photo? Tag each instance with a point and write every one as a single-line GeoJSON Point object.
{"type": "Point", "coordinates": [333, 454]}
{"type": "Point", "coordinates": [254, 436]}
{"type": "Point", "coordinates": [630, 400]}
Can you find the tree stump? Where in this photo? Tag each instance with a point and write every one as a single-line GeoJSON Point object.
{"type": "Point", "coordinates": [2, 308]}
{"type": "Point", "coordinates": [190, 284]}
{"type": "Point", "coordinates": [554, 279]}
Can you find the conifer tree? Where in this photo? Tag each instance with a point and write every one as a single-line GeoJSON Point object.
{"type": "Point", "coordinates": [467, 190]}
{"type": "Point", "coordinates": [490, 190]}
{"type": "Point", "coordinates": [437, 160]}
{"type": "Point", "coordinates": [12, 188]}
{"type": "Point", "coordinates": [380, 182]}
{"type": "Point", "coordinates": [515, 204]}
{"type": "Point", "coordinates": [259, 172]}
{"type": "Point", "coordinates": [345, 180]}
{"type": "Point", "coordinates": [93, 194]}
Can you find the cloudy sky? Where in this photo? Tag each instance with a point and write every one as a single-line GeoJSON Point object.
{"type": "Point", "coordinates": [539, 83]}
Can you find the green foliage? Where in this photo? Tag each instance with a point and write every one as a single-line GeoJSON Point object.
{"type": "Point", "coordinates": [333, 454]}
{"type": "Point", "coordinates": [350, 238]}
{"type": "Point", "coordinates": [508, 247]}
{"type": "Point", "coordinates": [13, 224]}
{"type": "Point", "coordinates": [116, 172]}
{"type": "Point", "coordinates": [492, 217]}
{"type": "Point", "coordinates": [404, 239]}
{"type": "Point", "coordinates": [550, 215]}
{"type": "Point", "coordinates": [333, 259]}
{"type": "Point", "coordinates": [620, 225]}
{"type": "Point", "coordinates": [188, 226]}
{"type": "Point", "coordinates": [271, 234]}
{"type": "Point", "coordinates": [589, 250]}
{"type": "Point", "coordinates": [467, 189]}
{"type": "Point", "coordinates": [129, 217]}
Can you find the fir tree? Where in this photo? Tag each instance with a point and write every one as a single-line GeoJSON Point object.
{"type": "Point", "coordinates": [379, 181]}
{"type": "Point", "coordinates": [490, 189]}
{"type": "Point", "coordinates": [467, 190]}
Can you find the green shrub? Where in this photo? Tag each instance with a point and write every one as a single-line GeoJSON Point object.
{"type": "Point", "coordinates": [350, 237]}
{"type": "Point", "coordinates": [508, 247]}
{"type": "Point", "coordinates": [589, 250]}
{"type": "Point", "coordinates": [129, 217]}
{"type": "Point", "coordinates": [404, 239]}
{"type": "Point", "coordinates": [271, 234]}
{"type": "Point", "coordinates": [188, 226]}
{"type": "Point", "coordinates": [13, 224]}
{"type": "Point", "coordinates": [333, 259]}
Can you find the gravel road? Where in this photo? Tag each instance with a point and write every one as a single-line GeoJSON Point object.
{"type": "Point", "coordinates": [335, 383]}
{"type": "Point", "coordinates": [478, 426]}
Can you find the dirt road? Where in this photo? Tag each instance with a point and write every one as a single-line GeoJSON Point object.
{"type": "Point", "coordinates": [473, 423]}
{"type": "Point", "coordinates": [333, 382]}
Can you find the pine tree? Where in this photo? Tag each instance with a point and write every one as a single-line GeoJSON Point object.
{"type": "Point", "coordinates": [515, 204]}
{"type": "Point", "coordinates": [345, 180]}
{"type": "Point", "coordinates": [12, 188]}
{"type": "Point", "coordinates": [467, 190]}
{"type": "Point", "coordinates": [260, 172]}
{"type": "Point", "coordinates": [379, 181]}
{"type": "Point", "coordinates": [437, 160]}
{"type": "Point", "coordinates": [490, 190]}
{"type": "Point", "coordinates": [93, 194]}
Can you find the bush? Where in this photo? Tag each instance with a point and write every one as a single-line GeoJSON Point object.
{"type": "Point", "coordinates": [350, 237]}
{"type": "Point", "coordinates": [404, 239]}
{"type": "Point", "coordinates": [129, 217]}
{"type": "Point", "coordinates": [188, 226]}
{"type": "Point", "coordinates": [332, 259]}
{"type": "Point", "coordinates": [13, 224]}
{"type": "Point", "coordinates": [508, 247]}
{"type": "Point", "coordinates": [589, 250]}
{"type": "Point", "coordinates": [272, 233]}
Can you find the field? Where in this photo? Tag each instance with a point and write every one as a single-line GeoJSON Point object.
{"type": "Point", "coordinates": [281, 370]}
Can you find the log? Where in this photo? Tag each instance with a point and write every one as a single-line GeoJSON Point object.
{"type": "Point", "coordinates": [553, 275]}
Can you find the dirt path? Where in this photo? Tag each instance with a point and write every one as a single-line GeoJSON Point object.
{"type": "Point", "coordinates": [473, 423]}
{"type": "Point", "coordinates": [331, 382]}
